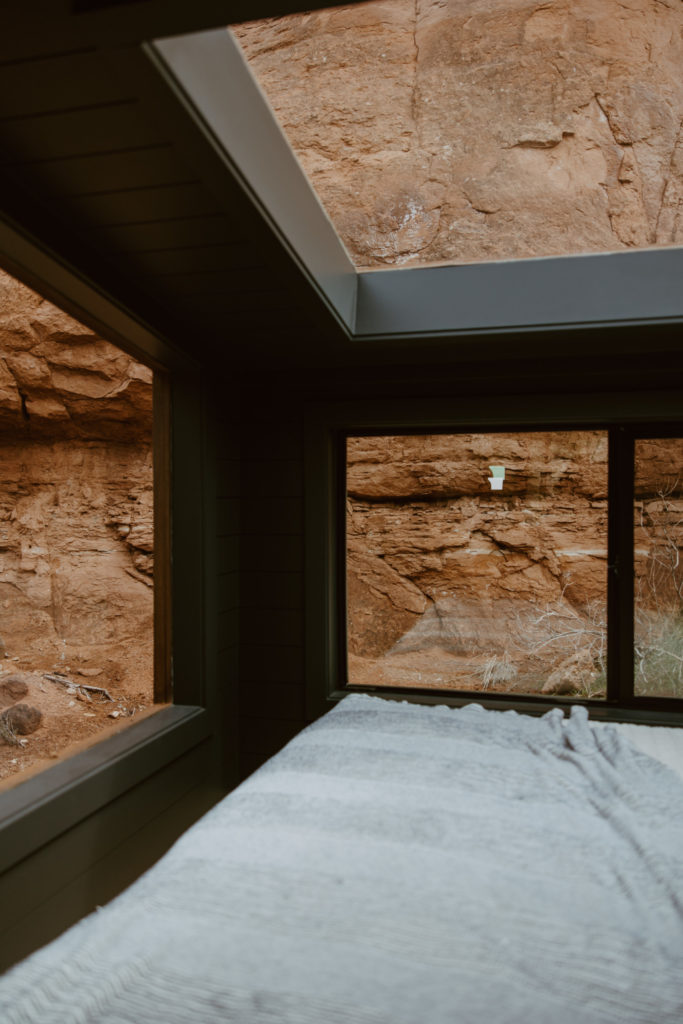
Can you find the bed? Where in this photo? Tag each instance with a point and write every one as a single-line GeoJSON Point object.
{"type": "Point", "coordinates": [397, 864]}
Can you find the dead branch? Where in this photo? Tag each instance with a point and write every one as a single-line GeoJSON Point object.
{"type": "Point", "coordinates": [78, 687]}
{"type": "Point", "coordinates": [7, 732]}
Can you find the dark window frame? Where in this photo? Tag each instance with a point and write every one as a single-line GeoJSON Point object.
{"type": "Point", "coordinates": [38, 809]}
{"type": "Point", "coordinates": [625, 418]}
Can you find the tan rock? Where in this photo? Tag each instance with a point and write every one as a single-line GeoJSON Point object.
{"type": "Point", "coordinates": [382, 604]}
{"type": "Point", "coordinates": [12, 689]}
{"type": "Point", "coordinates": [22, 719]}
{"type": "Point", "coordinates": [573, 675]}
{"type": "Point", "coordinates": [463, 130]}
{"type": "Point", "coordinates": [57, 376]}
{"type": "Point", "coordinates": [75, 464]}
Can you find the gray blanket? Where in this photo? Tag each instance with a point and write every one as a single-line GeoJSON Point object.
{"type": "Point", "coordinates": [395, 864]}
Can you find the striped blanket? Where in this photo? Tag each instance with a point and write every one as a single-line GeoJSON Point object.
{"type": "Point", "coordinates": [398, 864]}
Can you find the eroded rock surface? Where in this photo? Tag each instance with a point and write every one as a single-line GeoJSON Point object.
{"type": "Point", "coordinates": [76, 502]}
{"type": "Point", "coordinates": [58, 379]}
{"type": "Point", "coordinates": [453, 584]}
{"type": "Point", "coordinates": [464, 130]}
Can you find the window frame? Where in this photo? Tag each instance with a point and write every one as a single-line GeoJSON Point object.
{"type": "Point", "coordinates": [624, 417]}
{"type": "Point", "coordinates": [42, 807]}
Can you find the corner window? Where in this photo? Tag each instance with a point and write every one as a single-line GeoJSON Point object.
{"type": "Point", "coordinates": [520, 566]}
{"type": "Point", "coordinates": [78, 516]}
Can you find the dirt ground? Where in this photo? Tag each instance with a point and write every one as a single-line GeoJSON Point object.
{"type": "Point", "coordinates": [438, 669]}
{"type": "Point", "coordinates": [73, 717]}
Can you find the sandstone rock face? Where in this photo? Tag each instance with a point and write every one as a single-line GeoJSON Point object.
{"type": "Point", "coordinates": [12, 689]}
{"type": "Point", "coordinates": [76, 500]}
{"type": "Point", "coordinates": [465, 130]}
{"type": "Point", "coordinates": [59, 380]}
{"type": "Point", "coordinates": [471, 580]}
{"type": "Point", "coordinates": [451, 584]}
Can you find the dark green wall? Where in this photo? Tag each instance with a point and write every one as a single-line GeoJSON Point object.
{"type": "Point", "coordinates": [239, 503]}
{"type": "Point", "coordinates": [272, 690]}
{"type": "Point", "coordinates": [129, 818]}
{"type": "Point", "coordinates": [271, 592]}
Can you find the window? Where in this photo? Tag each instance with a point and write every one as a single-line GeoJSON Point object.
{"type": "Point", "coordinates": [521, 567]}
{"type": "Point", "coordinates": [77, 536]}
{"type": "Point", "coordinates": [478, 561]}
{"type": "Point", "coordinates": [458, 134]}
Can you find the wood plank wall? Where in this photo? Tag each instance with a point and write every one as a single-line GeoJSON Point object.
{"type": "Point", "coordinates": [224, 436]}
{"type": "Point", "coordinates": [271, 694]}
{"type": "Point", "coordinates": [91, 863]}
{"type": "Point", "coordinates": [87, 865]}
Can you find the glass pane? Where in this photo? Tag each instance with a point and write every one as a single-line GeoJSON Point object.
{"type": "Point", "coordinates": [478, 562]}
{"type": "Point", "coordinates": [76, 535]}
{"type": "Point", "coordinates": [658, 540]}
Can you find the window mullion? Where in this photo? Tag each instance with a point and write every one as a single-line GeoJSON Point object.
{"type": "Point", "coordinates": [620, 568]}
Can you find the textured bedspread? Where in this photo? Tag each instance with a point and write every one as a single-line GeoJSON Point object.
{"type": "Point", "coordinates": [399, 864]}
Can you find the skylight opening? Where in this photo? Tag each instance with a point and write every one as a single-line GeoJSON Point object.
{"type": "Point", "coordinates": [476, 132]}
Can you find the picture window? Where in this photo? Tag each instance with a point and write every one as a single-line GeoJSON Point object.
{"type": "Point", "coordinates": [77, 536]}
{"type": "Point", "coordinates": [507, 564]}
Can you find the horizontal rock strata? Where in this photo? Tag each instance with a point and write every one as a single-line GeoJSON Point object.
{"type": "Point", "coordinates": [453, 584]}
{"type": "Point", "coordinates": [76, 502]}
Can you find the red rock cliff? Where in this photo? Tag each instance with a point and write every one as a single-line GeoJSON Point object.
{"type": "Point", "coordinates": [76, 510]}
{"type": "Point", "coordinates": [462, 130]}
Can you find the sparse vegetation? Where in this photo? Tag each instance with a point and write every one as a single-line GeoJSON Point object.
{"type": "Point", "coordinates": [658, 624]}
{"type": "Point", "coordinates": [497, 669]}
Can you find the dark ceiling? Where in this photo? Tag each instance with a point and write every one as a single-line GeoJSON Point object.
{"type": "Point", "coordinates": [105, 165]}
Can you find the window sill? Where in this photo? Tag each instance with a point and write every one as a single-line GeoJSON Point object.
{"type": "Point", "coordinates": [598, 710]}
{"type": "Point", "coordinates": [45, 805]}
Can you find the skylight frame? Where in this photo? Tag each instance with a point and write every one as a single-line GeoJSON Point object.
{"type": "Point", "coordinates": [628, 288]}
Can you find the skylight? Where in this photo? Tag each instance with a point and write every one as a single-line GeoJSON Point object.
{"type": "Point", "coordinates": [468, 132]}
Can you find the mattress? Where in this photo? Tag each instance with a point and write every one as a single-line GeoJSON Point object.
{"type": "Point", "coordinates": [399, 864]}
{"type": "Point", "coordinates": [665, 745]}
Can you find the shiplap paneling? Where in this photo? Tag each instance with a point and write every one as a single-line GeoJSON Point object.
{"type": "Point", "coordinates": [272, 663]}
{"type": "Point", "coordinates": [280, 517]}
{"type": "Point", "coordinates": [58, 82]}
{"type": "Point", "coordinates": [227, 487]}
{"type": "Point", "coordinates": [102, 172]}
{"type": "Point", "coordinates": [154, 202]}
{"type": "Point", "coordinates": [267, 734]}
{"type": "Point", "coordinates": [93, 128]}
{"type": "Point", "coordinates": [271, 590]}
{"type": "Point", "coordinates": [209, 261]}
{"type": "Point", "coordinates": [162, 235]}
{"type": "Point", "coordinates": [284, 628]}
{"type": "Point", "coordinates": [262, 551]}
{"type": "Point", "coordinates": [272, 697]}
{"type": "Point", "coordinates": [85, 866]}
{"type": "Point", "coordinates": [275, 700]}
